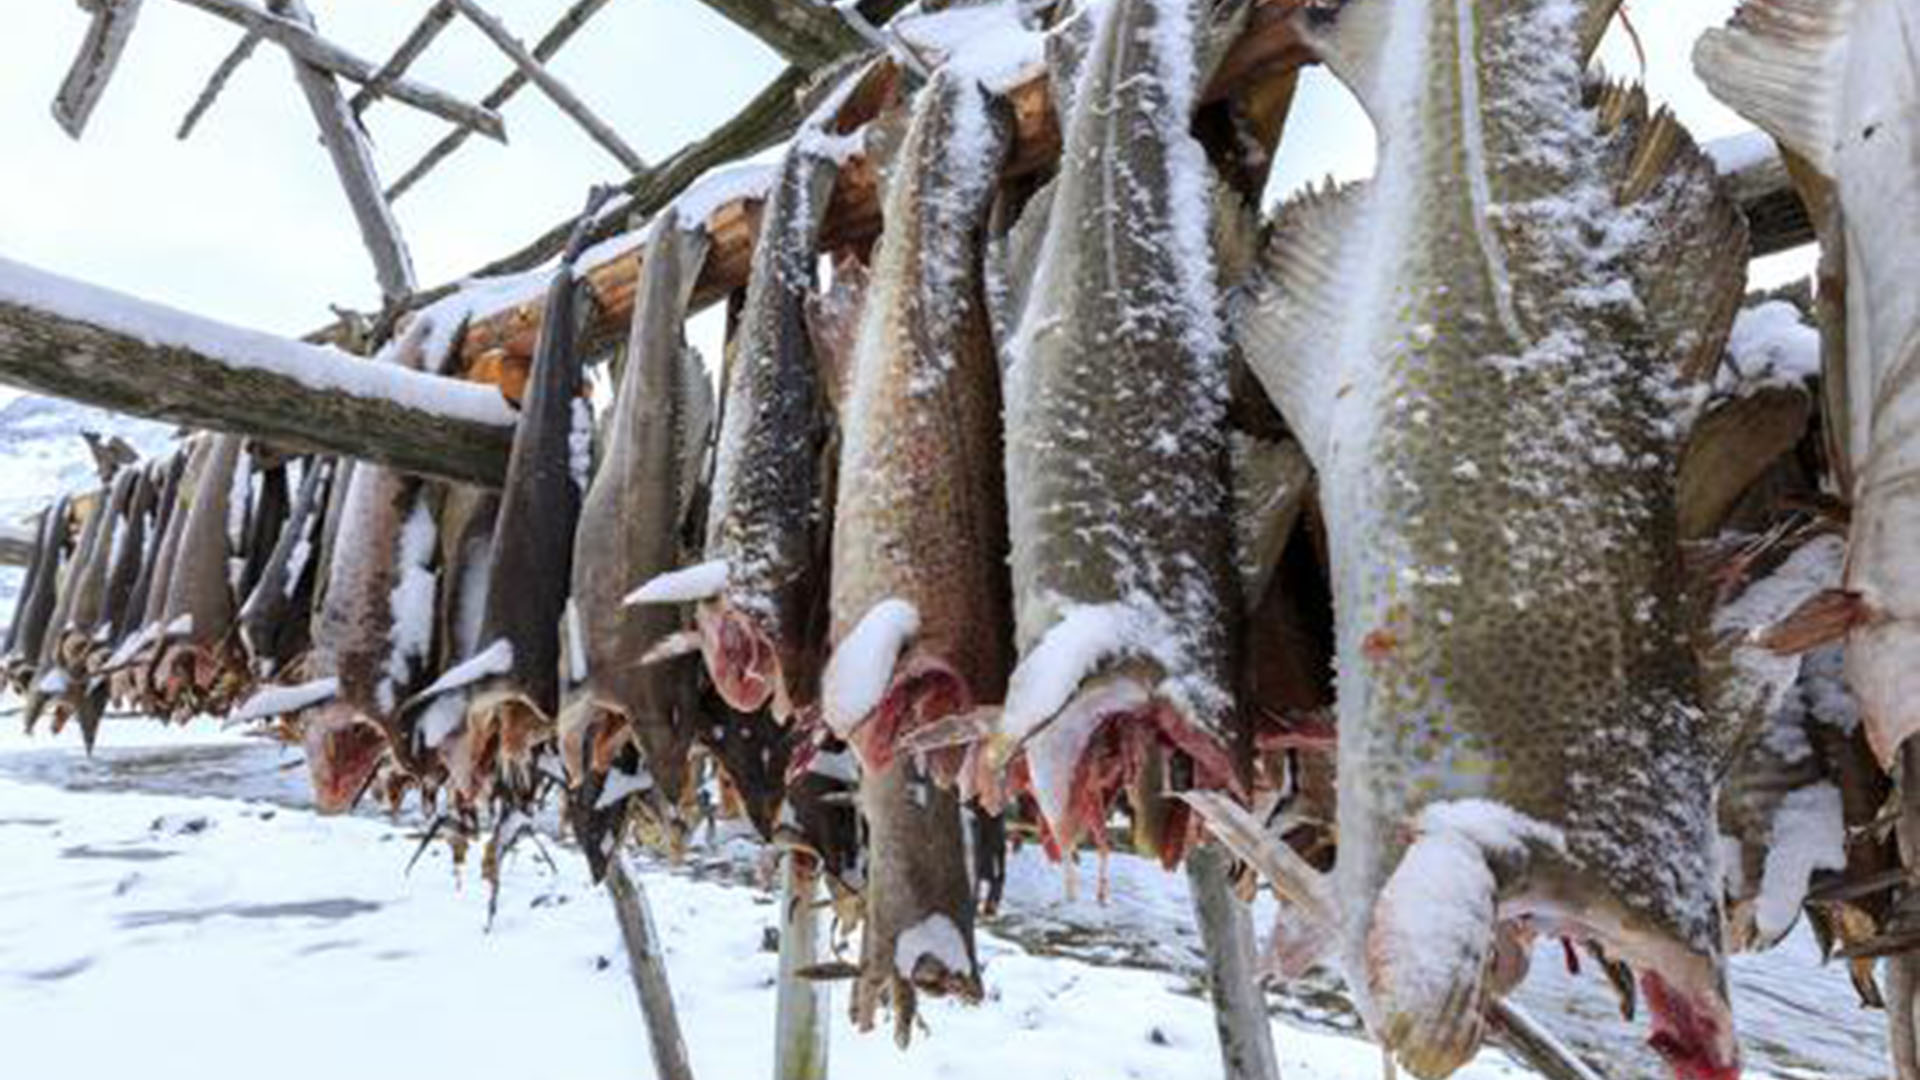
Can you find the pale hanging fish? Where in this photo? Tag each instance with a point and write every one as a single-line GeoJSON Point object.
{"type": "Point", "coordinates": [920, 597]}
{"type": "Point", "coordinates": [762, 591]}
{"type": "Point", "coordinates": [1125, 604]}
{"type": "Point", "coordinates": [198, 656]}
{"type": "Point", "coordinates": [511, 686]}
{"type": "Point", "coordinates": [1837, 83]}
{"type": "Point", "coordinates": [1494, 413]}
{"type": "Point", "coordinates": [54, 683]}
{"type": "Point", "coordinates": [129, 666]}
{"type": "Point", "coordinates": [633, 526]}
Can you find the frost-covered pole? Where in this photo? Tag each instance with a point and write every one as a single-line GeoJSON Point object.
{"type": "Point", "coordinates": [800, 1012]}
{"type": "Point", "coordinates": [1226, 933]}
{"type": "Point", "coordinates": [352, 158]}
{"type": "Point", "coordinates": [1526, 1039]}
{"type": "Point", "coordinates": [649, 972]}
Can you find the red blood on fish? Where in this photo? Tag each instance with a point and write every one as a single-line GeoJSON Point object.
{"type": "Point", "coordinates": [739, 657]}
{"type": "Point", "coordinates": [924, 690]}
{"type": "Point", "coordinates": [1686, 1036]}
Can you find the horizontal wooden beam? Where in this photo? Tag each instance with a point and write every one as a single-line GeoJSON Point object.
{"type": "Point", "coordinates": [314, 49]}
{"type": "Point", "coordinates": [77, 341]}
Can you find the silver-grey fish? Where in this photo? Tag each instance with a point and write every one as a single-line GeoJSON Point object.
{"type": "Point", "coordinates": [633, 527]}
{"type": "Point", "coordinates": [1126, 609]}
{"type": "Point", "coordinates": [1485, 352]}
{"type": "Point", "coordinates": [198, 661]}
{"type": "Point", "coordinates": [273, 623]}
{"type": "Point", "coordinates": [38, 596]}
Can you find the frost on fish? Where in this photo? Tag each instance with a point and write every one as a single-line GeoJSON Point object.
{"type": "Point", "coordinates": [920, 595]}
{"type": "Point", "coordinates": [1116, 395]}
{"type": "Point", "coordinates": [1838, 85]}
{"type": "Point", "coordinates": [762, 637]}
{"type": "Point", "coordinates": [1495, 419]}
{"type": "Point", "coordinates": [634, 524]}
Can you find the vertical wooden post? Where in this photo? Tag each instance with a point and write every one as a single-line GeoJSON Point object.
{"type": "Point", "coordinates": [1902, 990]}
{"type": "Point", "coordinates": [1226, 933]}
{"type": "Point", "coordinates": [800, 1013]}
{"type": "Point", "coordinates": [649, 972]}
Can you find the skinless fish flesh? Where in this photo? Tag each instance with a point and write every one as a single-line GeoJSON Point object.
{"type": "Point", "coordinates": [1494, 414]}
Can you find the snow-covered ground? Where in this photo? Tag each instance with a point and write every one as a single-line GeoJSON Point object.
{"type": "Point", "coordinates": [161, 936]}
{"type": "Point", "coordinates": [120, 912]}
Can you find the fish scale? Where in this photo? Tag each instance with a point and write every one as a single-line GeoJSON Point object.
{"type": "Point", "coordinates": [1495, 413]}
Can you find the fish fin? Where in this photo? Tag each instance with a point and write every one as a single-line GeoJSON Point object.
{"type": "Point", "coordinates": [1732, 446]}
{"type": "Point", "coordinates": [672, 647]}
{"type": "Point", "coordinates": [1776, 63]}
{"type": "Point", "coordinates": [1824, 618]}
{"type": "Point", "coordinates": [948, 732]}
{"type": "Point", "coordinates": [1069, 45]}
{"type": "Point", "coordinates": [1429, 954]}
{"type": "Point", "coordinates": [1350, 38]}
{"type": "Point", "coordinates": [1270, 484]}
{"type": "Point", "coordinates": [1690, 272]}
{"type": "Point", "coordinates": [833, 326]}
{"type": "Point", "coordinates": [1284, 333]}
{"type": "Point", "coordinates": [1307, 892]}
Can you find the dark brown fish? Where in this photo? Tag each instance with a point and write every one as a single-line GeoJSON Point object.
{"type": "Point", "coordinates": [129, 557]}
{"type": "Point", "coordinates": [762, 591]}
{"type": "Point", "coordinates": [272, 623]}
{"type": "Point", "coordinates": [633, 527]}
{"type": "Point", "coordinates": [512, 684]}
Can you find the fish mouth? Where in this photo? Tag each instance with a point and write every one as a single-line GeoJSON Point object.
{"type": "Point", "coordinates": [590, 734]}
{"type": "Point", "coordinates": [344, 750]}
{"type": "Point", "coordinates": [1099, 744]}
{"type": "Point", "coordinates": [501, 732]}
{"type": "Point", "coordinates": [925, 690]}
{"type": "Point", "coordinates": [740, 656]}
{"type": "Point", "coordinates": [1685, 991]}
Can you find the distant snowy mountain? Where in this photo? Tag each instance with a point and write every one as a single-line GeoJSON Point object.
{"type": "Point", "coordinates": [42, 454]}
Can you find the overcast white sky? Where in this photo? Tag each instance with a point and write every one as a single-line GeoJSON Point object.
{"type": "Point", "coordinates": [245, 222]}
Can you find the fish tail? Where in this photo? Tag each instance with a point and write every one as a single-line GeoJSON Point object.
{"type": "Point", "coordinates": [1775, 64]}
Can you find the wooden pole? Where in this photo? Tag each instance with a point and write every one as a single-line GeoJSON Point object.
{"type": "Point", "coordinates": [229, 64]}
{"type": "Point", "coordinates": [803, 32]}
{"type": "Point", "coordinates": [1226, 935]}
{"type": "Point", "coordinates": [800, 1027]}
{"type": "Point", "coordinates": [1533, 1044]}
{"type": "Point", "coordinates": [72, 340]}
{"type": "Point", "coordinates": [423, 34]}
{"type": "Point", "coordinates": [314, 49]}
{"type": "Point", "coordinates": [549, 45]}
{"type": "Point", "coordinates": [649, 971]}
{"type": "Point", "coordinates": [99, 54]}
{"type": "Point", "coordinates": [557, 92]}
{"type": "Point", "coordinates": [346, 144]}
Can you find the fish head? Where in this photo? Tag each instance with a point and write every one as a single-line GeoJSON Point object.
{"type": "Point", "coordinates": [590, 733]}
{"type": "Point", "coordinates": [739, 654]}
{"type": "Point", "coordinates": [344, 749]}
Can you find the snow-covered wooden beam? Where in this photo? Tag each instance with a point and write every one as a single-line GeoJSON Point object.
{"type": "Point", "coordinates": [352, 157]}
{"type": "Point", "coordinates": [314, 49]}
{"type": "Point", "coordinates": [434, 20]}
{"type": "Point", "coordinates": [100, 50]}
{"type": "Point", "coordinates": [548, 46]}
{"type": "Point", "coordinates": [557, 92]}
{"type": "Point", "coordinates": [803, 32]}
{"type": "Point", "coordinates": [1757, 176]}
{"type": "Point", "coordinates": [84, 343]}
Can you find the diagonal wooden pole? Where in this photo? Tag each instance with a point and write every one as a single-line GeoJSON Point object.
{"type": "Point", "coordinates": [649, 970]}
{"type": "Point", "coordinates": [346, 144]}
{"type": "Point", "coordinates": [557, 92]}
{"type": "Point", "coordinates": [99, 54]}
